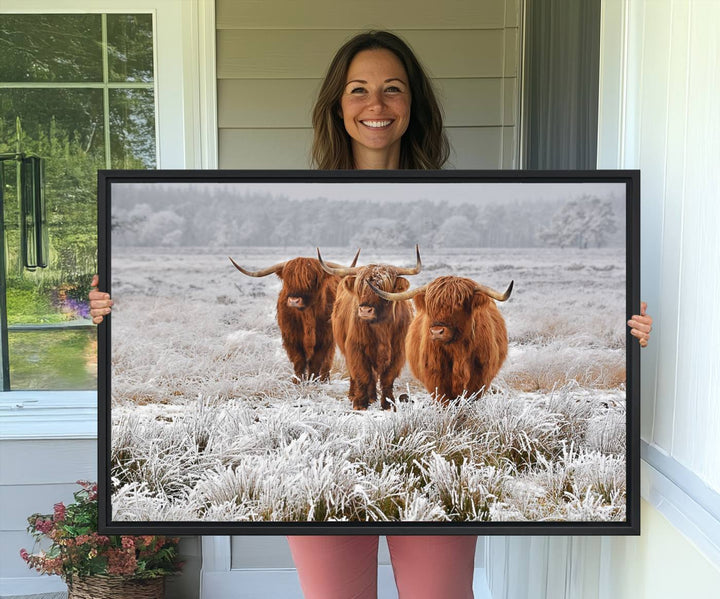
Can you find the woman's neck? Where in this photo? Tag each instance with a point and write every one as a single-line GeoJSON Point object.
{"type": "Point", "coordinates": [385, 159]}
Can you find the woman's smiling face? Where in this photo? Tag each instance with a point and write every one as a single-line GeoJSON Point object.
{"type": "Point", "coordinates": [375, 107]}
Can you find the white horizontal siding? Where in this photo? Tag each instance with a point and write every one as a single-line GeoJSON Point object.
{"type": "Point", "coordinates": [471, 147]}
{"type": "Point", "coordinates": [271, 59]}
{"type": "Point", "coordinates": [288, 103]}
{"type": "Point", "coordinates": [331, 14]}
{"type": "Point", "coordinates": [51, 461]}
{"type": "Point", "coordinates": [270, 54]}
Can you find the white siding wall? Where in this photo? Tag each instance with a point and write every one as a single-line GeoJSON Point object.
{"type": "Point", "coordinates": [660, 84]}
{"type": "Point", "coordinates": [46, 445]}
{"type": "Point", "coordinates": [34, 475]}
{"type": "Point", "coordinates": [272, 56]}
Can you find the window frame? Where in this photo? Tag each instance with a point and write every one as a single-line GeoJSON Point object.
{"type": "Point", "coordinates": [186, 138]}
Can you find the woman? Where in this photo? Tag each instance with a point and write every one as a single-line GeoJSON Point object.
{"type": "Point", "coordinates": [376, 109]}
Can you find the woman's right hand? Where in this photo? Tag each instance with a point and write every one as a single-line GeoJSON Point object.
{"type": "Point", "coordinates": [100, 302]}
{"type": "Point", "coordinates": [641, 325]}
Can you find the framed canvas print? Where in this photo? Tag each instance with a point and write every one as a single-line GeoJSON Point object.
{"type": "Point", "coordinates": [381, 352]}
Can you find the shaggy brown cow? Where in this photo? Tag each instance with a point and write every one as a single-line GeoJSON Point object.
{"type": "Point", "coordinates": [304, 307]}
{"type": "Point", "coordinates": [457, 341]}
{"type": "Point", "coordinates": [369, 331]}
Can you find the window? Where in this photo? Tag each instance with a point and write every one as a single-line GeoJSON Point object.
{"type": "Point", "coordinates": [78, 91]}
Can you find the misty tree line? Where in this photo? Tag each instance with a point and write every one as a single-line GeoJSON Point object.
{"type": "Point", "coordinates": [588, 222]}
{"type": "Point", "coordinates": [184, 219]}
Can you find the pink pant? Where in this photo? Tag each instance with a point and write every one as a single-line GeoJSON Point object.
{"type": "Point", "coordinates": [345, 567]}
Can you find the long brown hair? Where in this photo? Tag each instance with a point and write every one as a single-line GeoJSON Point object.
{"type": "Point", "coordinates": [424, 145]}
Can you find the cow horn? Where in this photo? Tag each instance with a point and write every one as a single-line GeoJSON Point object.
{"type": "Point", "coordinates": [416, 269]}
{"type": "Point", "coordinates": [397, 297]}
{"type": "Point", "coordinates": [259, 273]}
{"type": "Point", "coordinates": [496, 295]}
{"type": "Point", "coordinates": [339, 271]}
{"type": "Point", "coordinates": [354, 262]}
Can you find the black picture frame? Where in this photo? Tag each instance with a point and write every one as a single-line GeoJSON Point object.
{"type": "Point", "coordinates": [112, 214]}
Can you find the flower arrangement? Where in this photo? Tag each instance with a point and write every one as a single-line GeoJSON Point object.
{"type": "Point", "coordinates": [78, 551]}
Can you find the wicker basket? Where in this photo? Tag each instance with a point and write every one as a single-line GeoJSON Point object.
{"type": "Point", "coordinates": [116, 587]}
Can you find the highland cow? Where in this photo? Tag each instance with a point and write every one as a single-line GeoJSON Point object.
{"type": "Point", "coordinates": [457, 341]}
{"type": "Point", "coordinates": [304, 307]}
{"type": "Point", "coordinates": [370, 331]}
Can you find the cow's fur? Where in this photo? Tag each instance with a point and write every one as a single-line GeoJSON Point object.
{"type": "Point", "coordinates": [468, 342]}
{"type": "Point", "coordinates": [374, 349]}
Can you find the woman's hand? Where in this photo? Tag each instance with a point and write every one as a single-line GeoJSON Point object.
{"type": "Point", "coordinates": [100, 302]}
{"type": "Point", "coordinates": [641, 325]}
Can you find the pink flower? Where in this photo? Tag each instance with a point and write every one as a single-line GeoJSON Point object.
{"type": "Point", "coordinates": [90, 489]}
{"type": "Point", "coordinates": [53, 565]}
{"type": "Point", "coordinates": [121, 562]}
{"type": "Point", "coordinates": [59, 509]}
{"type": "Point", "coordinates": [24, 555]}
{"type": "Point", "coordinates": [146, 540]}
{"type": "Point", "coordinates": [128, 543]}
{"type": "Point", "coordinates": [43, 526]}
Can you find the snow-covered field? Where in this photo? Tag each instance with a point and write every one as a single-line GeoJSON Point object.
{"type": "Point", "coordinates": [208, 426]}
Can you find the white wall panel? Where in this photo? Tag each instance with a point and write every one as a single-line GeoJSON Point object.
{"type": "Point", "coordinates": [652, 118]}
{"type": "Point", "coordinates": [672, 232]}
{"type": "Point", "coordinates": [667, 121]}
{"type": "Point", "coordinates": [34, 475]}
{"type": "Point", "coordinates": [252, 552]}
{"type": "Point", "coordinates": [697, 421]}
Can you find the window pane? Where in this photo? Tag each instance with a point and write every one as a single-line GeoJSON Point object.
{"type": "Point", "coordinates": [54, 359]}
{"type": "Point", "coordinates": [130, 47]}
{"type": "Point", "coordinates": [49, 117]}
{"type": "Point", "coordinates": [132, 128]}
{"type": "Point", "coordinates": [50, 48]}
{"type": "Point", "coordinates": [65, 127]}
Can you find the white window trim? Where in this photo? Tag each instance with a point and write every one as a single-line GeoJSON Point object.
{"type": "Point", "coordinates": [48, 415]}
{"type": "Point", "coordinates": [186, 125]}
{"type": "Point", "coordinates": [680, 495]}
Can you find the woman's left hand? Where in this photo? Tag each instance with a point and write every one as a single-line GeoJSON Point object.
{"type": "Point", "coordinates": [100, 302]}
{"type": "Point", "coordinates": [641, 325]}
